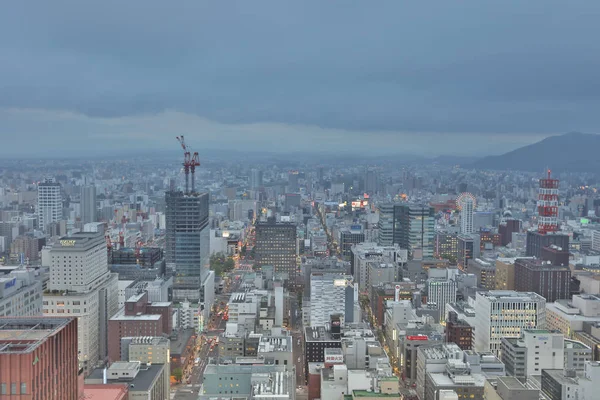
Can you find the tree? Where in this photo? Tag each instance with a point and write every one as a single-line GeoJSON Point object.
{"type": "Point", "coordinates": [177, 373]}
{"type": "Point", "coordinates": [221, 264]}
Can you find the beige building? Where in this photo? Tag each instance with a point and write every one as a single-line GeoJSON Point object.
{"type": "Point", "coordinates": [505, 274]}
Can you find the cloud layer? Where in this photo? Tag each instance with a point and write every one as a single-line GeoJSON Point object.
{"type": "Point", "coordinates": [338, 71]}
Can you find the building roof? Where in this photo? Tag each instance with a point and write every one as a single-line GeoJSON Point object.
{"type": "Point", "coordinates": [178, 345]}
{"type": "Point", "coordinates": [23, 335]}
{"type": "Point", "coordinates": [105, 392]}
{"type": "Point", "coordinates": [368, 393]}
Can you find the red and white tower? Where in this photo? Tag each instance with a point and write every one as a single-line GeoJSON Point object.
{"type": "Point", "coordinates": [548, 205]}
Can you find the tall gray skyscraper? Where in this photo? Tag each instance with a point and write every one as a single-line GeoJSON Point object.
{"type": "Point", "coordinates": [276, 246]}
{"type": "Point", "coordinates": [412, 226]}
{"type": "Point", "coordinates": [50, 206]}
{"type": "Point", "coordinates": [292, 182]}
{"type": "Point", "coordinates": [89, 212]}
{"type": "Point", "coordinates": [256, 178]}
{"type": "Point", "coordinates": [187, 243]}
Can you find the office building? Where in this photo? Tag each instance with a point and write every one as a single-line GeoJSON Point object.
{"type": "Point", "coordinates": [553, 282]}
{"type": "Point", "coordinates": [276, 246]}
{"type": "Point", "coordinates": [89, 211]}
{"type": "Point", "coordinates": [507, 228]}
{"type": "Point", "coordinates": [560, 384]}
{"type": "Point", "coordinates": [26, 248]}
{"type": "Point", "coordinates": [81, 286]}
{"type": "Point", "coordinates": [187, 244]}
{"type": "Point", "coordinates": [331, 293]}
{"type": "Point", "coordinates": [411, 226]}
{"type": "Point", "coordinates": [148, 350]}
{"type": "Point", "coordinates": [501, 314]}
{"type": "Point", "coordinates": [535, 350]}
{"type": "Point", "coordinates": [468, 249]}
{"type": "Point", "coordinates": [459, 331]}
{"type": "Point", "coordinates": [145, 381]}
{"type": "Point", "coordinates": [505, 274]}
{"type": "Point", "coordinates": [350, 237]}
{"type": "Point", "coordinates": [49, 206]}
{"type": "Point", "coordinates": [365, 254]}
{"type": "Point", "coordinates": [446, 246]}
{"type": "Point", "coordinates": [439, 293]}
{"type": "Point", "coordinates": [536, 241]}
{"type": "Point", "coordinates": [138, 318]}
{"type": "Point", "coordinates": [569, 317]}
{"type": "Point", "coordinates": [293, 182]}
{"type": "Point", "coordinates": [21, 294]}
{"type": "Point", "coordinates": [485, 271]}
{"type": "Point", "coordinates": [38, 358]}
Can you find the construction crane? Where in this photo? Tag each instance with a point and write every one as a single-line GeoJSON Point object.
{"type": "Point", "coordinates": [190, 162]}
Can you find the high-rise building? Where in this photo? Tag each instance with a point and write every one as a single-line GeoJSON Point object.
{"type": "Point", "coordinates": [506, 230]}
{"type": "Point", "coordinates": [446, 245]}
{"type": "Point", "coordinates": [500, 313]}
{"type": "Point", "coordinates": [256, 178]}
{"type": "Point", "coordinates": [89, 212]}
{"type": "Point", "coordinates": [81, 286]}
{"type": "Point", "coordinates": [187, 243]}
{"type": "Point", "coordinates": [329, 295]}
{"type": "Point", "coordinates": [293, 182]}
{"type": "Point", "coordinates": [371, 180]}
{"type": "Point", "coordinates": [276, 246]}
{"type": "Point", "coordinates": [485, 271]}
{"type": "Point", "coordinates": [350, 237]}
{"type": "Point", "coordinates": [412, 226]}
{"type": "Point", "coordinates": [459, 331]}
{"type": "Point", "coordinates": [441, 292]}
{"type": "Point", "coordinates": [553, 282]}
{"type": "Point", "coordinates": [50, 206]}
{"type": "Point", "coordinates": [38, 358]}
{"type": "Point", "coordinates": [21, 294]}
{"type": "Point", "coordinates": [535, 350]}
{"type": "Point", "coordinates": [468, 249]}
{"type": "Point", "coordinates": [536, 241]}
{"type": "Point", "coordinates": [466, 202]}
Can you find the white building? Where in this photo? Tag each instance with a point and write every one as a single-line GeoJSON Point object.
{"type": "Point", "coordinates": [21, 294]}
{"type": "Point", "coordinates": [535, 350]}
{"type": "Point", "coordinates": [505, 313]}
{"type": "Point", "coordinates": [327, 296]}
{"type": "Point", "coordinates": [49, 207]}
{"type": "Point", "coordinates": [568, 316]}
{"type": "Point", "coordinates": [81, 286]}
{"type": "Point", "coordinates": [440, 293]}
{"type": "Point", "coordinates": [466, 216]}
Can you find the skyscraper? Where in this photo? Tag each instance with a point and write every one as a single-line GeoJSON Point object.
{"type": "Point", "coordinates": [276, 246]}
{"type": "Point", "coordinates": [466, 216]}
{"type": "Point", "coordinates": [441, 292]}
{"type": "Point", "coordinates": [256, 178]}
{"type": "Point", "coordinates": [328, 293]}
{"type": "Point", "coordinates": [292, 182]}
{"type": "Point", "coordinates": [414, 229]}
{"type": "Point", "coordinates": [88, 204]}
{"type": "Point", "coordinates": [187, 243]}
{"type": "Point", "coordinates": [49, 207]}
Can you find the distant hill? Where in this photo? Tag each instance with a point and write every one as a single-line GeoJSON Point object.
{"type": "Point", "coordinates": [571, 152]}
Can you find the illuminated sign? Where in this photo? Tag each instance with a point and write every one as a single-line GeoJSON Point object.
{"type": "Point", "coordinates": [418, 337]}
{"type": "Point", "coordinates": [339, 282]}
{"type": "Point", "coordinates": [10, 283]}
{"type": "Point", "coordinates": [67, 243]}
{"type": "Point", "coordinates": [336, 358]}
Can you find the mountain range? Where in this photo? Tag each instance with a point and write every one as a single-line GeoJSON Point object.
{"type": "Point", "coordinates": [571, 152]}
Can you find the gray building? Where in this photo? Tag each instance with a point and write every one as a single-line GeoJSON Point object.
{"type": "Point", "coordinates": [187, 243]}
{"type": "Point", "coordinates": [276, 246]}
{"type": "Point", "coordinates": [412, 226]}
{"type": "Point", "coordinates": [89, 212]}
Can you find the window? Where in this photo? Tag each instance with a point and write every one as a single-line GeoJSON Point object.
{"type": "Point", "coordinates": [23, 388]}
{"type": "Point", "coordinates": [13, 388]}
{"type": "Point", "coordinates": [2, 388]}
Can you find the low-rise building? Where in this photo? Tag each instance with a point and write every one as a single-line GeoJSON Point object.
{"type": "Point", "coordinates": [145, 381]}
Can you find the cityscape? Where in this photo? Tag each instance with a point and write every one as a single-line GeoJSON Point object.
{"type": "Point", "coordinates": [301, 202]}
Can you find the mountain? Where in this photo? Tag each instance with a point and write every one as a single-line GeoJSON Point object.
{"type": "Point", "coordinates": [571, 152]}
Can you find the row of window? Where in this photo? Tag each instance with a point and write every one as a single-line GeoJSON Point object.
{"type": "Point", "coordinates": [13, 388]}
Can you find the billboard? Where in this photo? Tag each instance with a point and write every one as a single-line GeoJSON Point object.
{"type": "Point", "coordinates": [334, 358]}
{"type": "Point", "coordinates": [417, 337]}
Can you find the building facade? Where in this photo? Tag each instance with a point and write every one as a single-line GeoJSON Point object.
{"type": "Point", "coordinates": [89, 211]}
{"type": "Point", "coordinates": [552, 282]}
{"type": "Point", "coordinates": [50, 206]}
{"type": "Point", "coordinates": [276, 246]}
{"type": "Point", "coordinates": [21, 294]}
{"type": "Point", "coordinates": [187, 243]}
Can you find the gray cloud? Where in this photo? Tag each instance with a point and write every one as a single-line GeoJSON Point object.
{"type": "Point", "coordinates": [386, 66]}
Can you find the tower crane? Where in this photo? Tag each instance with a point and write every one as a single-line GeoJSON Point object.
{"type": "Point", "coordinates": [190, 162]}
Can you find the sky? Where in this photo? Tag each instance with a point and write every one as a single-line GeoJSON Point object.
{"type": "Point", "coordinates": [384, 77]}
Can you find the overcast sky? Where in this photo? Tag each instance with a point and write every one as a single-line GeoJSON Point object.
{"type": "Point", "coordinates": [425, 77]}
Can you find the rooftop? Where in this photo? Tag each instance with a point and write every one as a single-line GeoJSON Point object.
{"type": "Point", "coordinates": [105, 392]}
{"type": "Point", "coordinates": [23, 335]}
{"type": "Point", "coordinates": [368, 393]}
{"type": "Point", "coordinates": [512, 295]}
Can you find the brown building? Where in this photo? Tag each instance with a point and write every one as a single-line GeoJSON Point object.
{"type": "Point", "coordinates": [507, 228]}
{"type": "Point", "coordinates": [138, 318]}
{"type": "Point", "coordinates": [487, 236]}
{"type": "Point", "coordinates": [552, 282]}
{"type": "Point", "coordinates": [555, 255]}
{"type": "Point", "coordinates": [537, 241]}
{"type": "Point", "coordinates": [459, 332]}
{"type": "Point", "coordinates": [38, 358]}
{"type": "Point", "coordinates": [505, 275]}
{"type": "Point", "coordinates": [27, 245]}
